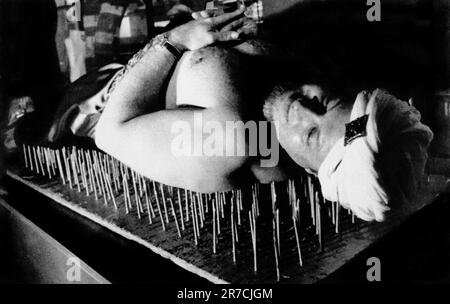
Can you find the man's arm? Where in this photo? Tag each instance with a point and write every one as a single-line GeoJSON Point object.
{"type": "Point", "coordinates": [137, 130]}
{"type": "Point", "coordinates": [138, 91]}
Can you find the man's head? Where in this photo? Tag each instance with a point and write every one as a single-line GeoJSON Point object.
{"type": "Point", "coordinates": [309, 121]}
{"type": "Point", "coordinates": [365, 166]}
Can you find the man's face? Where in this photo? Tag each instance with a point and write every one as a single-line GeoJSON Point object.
{"type": "Point", "coordinates": [308, 124]}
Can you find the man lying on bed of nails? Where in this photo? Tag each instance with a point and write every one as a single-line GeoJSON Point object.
{"type": "Point", "coordinates": [187, 73]}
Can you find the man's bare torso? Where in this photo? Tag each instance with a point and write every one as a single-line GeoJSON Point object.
{"type": "Point", "coordinates": [212, 77]}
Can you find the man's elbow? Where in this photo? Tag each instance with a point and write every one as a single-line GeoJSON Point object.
{"type": "Point", "coordinates": [106, 136]}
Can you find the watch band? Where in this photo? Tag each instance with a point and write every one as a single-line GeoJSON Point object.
{"type": "Point", "coordinates": [164, 42]}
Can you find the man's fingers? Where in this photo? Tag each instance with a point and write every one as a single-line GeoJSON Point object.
{"type": "Point", "coordinates": [195, 15]}
{"type": "Point", "coordinates": [226, 36]}
{"type": "Point", "coordinates": [225, 18]}
{"type": "Point", "coordinates": [203, 14]}
{"type": "Point", "coordinates": [249, 29]}
{"type": "Point", "coordinates": [234, 25]}
{"type": "Point", "coordinates": [198, 15]}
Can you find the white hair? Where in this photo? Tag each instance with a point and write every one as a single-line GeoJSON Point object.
{"type": "Point", "coordinates": [363, 175]}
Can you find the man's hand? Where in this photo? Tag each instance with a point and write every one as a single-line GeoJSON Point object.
{"type": "Point", "coordinates": [206, 29]}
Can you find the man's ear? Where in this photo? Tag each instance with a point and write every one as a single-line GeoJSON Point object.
{"type": "Point", "coordinates": [313, 90]}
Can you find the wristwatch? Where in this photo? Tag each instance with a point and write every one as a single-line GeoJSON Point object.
{"type": "Point", "coordinates": [163, 42]}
